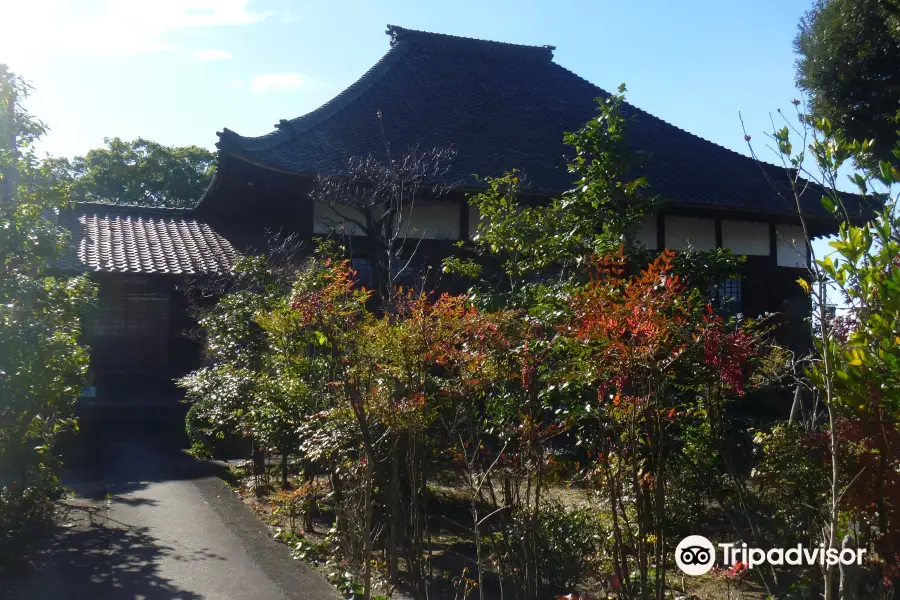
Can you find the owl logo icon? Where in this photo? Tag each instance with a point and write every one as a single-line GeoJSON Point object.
{"type": "Point", "coordinates": [695, 555]}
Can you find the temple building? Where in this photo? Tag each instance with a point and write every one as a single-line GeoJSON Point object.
{"type": "Point", "coordinates": [500, 107]}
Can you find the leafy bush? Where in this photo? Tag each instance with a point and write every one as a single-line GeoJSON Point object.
{"type": "Point", "coordinates": [21, 510]}
{"type": "Point", "coordinates": [695, 475]}
{"type": "Point", "coordinates": [296, 505]}
{"type": "Point", "coordinates": [567, 544]}
{"type": "Point", "coordinates": [791, 478]}
{"type": "Point", "coordinates": [42, 366]}
{"type": "Point", "coordinates": [566, 549]}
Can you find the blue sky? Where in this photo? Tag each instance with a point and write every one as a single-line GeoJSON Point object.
{"type": "Point", "coordinates": [178, 71]}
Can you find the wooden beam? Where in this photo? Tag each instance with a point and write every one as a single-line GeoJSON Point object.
{"type": "Point", "coordinates": [463, 218]}
{"type": "Point", "coordinates": [773, 243]}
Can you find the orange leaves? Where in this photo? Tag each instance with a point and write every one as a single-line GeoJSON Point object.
{"type": "Point", "coordinates": [609, 268]}
{"type": "Point", "coordinates": [636, 320]}
{"type": "Point", "coordinates": [636, 335]}
{"type": "Point", "coordinates": [326, 294]}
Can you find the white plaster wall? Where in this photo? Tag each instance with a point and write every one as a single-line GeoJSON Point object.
{"type": "Point", "coordinates": [791, 246]}
{"type": "Point", "coordinates": [647, 233]}
{"type": "Point", "coordinates": [746, 237]}
{"type": "Point", "coordinates": [437, 220]}
{"type": "Point", "coordinates": [430, 220]}
{"type": "Point", "coordinates": [326, 218]}
{"type": "Point", "coordinates": [697, 232]}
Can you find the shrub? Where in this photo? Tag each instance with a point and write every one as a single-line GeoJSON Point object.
{"type": "Point", "coordinates": [567, 543]}
{"type": "Point", "coordinates": [42, 365]}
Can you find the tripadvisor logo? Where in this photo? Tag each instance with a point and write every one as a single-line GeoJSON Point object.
{"type": "Point", "coordinates": [696, 555]}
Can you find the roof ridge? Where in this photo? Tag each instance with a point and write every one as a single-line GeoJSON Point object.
{"type": "Point", "coordinates": [640, 110]}
{"type": "Point", "coordinates": [287, 129]}
{"type": "Point", "coordinates": [401, 39]}
{"type": "Point", "coordinates": [401, 34]}
{"type": "Point", "coordinates": [134, 208]}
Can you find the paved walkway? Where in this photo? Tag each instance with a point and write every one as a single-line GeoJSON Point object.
{"type": "Point", "coordinates": [150, 523]}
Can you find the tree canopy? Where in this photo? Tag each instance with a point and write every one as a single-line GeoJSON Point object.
{"type": "Point", "coordinates": [849, 63]}
{"type": "Point", "coordinates": [141, 172]}
{"type": "Point", "coordinates": [42, 364]}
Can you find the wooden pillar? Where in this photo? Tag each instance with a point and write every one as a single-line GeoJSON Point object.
{"type": "Point", "coordinates": [464, 217]}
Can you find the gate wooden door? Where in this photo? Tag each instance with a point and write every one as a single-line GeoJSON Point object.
{"type": "Point", "coordinates": [129, 332]}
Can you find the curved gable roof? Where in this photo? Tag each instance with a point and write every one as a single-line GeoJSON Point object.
{"type": "Point", "coordinates": [112, 238]}
{"type": "Point", "coordinates": [501, 107]}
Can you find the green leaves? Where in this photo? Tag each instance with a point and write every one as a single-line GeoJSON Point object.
{"type": "Point", "coordinates": [861, 341]}
{"type": "Point", "coordinates": [886, 172]}
{"type": "Point", "coordinates": [847, 64]}
{"type": "Point", "coordinates": [40, 324]}
{"type": "Point", "coordinates": [137, 172]}
{"type": "Point", "coordinates": [783, 139]}
{"type": "Point", "coordinates": [860, 182]}
{"type": "Point", "coordinates": [548, 245]}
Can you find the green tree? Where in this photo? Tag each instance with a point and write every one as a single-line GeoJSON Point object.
{"type": "Point", "coordinates": [139, 172]}
{"type": "Point", "coordinates": [848, 57]}
{"type": "Point", "coordinates": [602, 211]}
{"type": "Point", "coordinates": [530, 255]}
{"type": "Point", "coordinates": [853, 371]}
{"type": "Point", "coordinates": [42, 366]}
{"type": "Point", "coordinates": [229, 394]}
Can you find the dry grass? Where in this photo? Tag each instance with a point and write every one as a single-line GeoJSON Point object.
{"type": "Point", "coordinates": [452, 547]}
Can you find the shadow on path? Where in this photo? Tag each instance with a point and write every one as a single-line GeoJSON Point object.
{"type": "Point", "coordinates": [148, 522]}
{"type": "Point", "coordinates": [113, 458]}
{"type": "Point", "coordinates": [103, 560]}
{"type": "Point", "coordinates": [89, 553]}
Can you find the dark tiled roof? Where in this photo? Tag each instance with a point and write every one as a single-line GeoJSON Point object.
{"type": "Point", "coordinates": [133, 239]}
{"type": "Point", "coordinates": [501, 106]}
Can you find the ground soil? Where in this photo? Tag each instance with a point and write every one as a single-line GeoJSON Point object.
{"type": "Point", "coordinates": [453, 551]}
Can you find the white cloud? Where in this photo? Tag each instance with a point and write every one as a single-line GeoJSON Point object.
{"type": "Point", "coordinates": [290, 14]}
{"type": "Point", "coordinates": [113, 27]}
{"type": "Point", "coordinates": [276, 82]}
{"type": "Point", "coordinates": [236, 83]}
{"type": "Point", "coordinates": [212, 54]}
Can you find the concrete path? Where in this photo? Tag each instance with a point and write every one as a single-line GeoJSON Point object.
{"type": "Point", "coordinates": [150, 523]}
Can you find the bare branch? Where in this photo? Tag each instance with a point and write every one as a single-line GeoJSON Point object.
{"type": "Point", "coordinates": [379, 197]}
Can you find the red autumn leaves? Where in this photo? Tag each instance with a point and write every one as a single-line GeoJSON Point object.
{"type": "Point", "coordinates": [633, 327]}
{"type": "Point", "coordinates": [641, 326]}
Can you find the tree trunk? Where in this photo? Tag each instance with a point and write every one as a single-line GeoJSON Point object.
{"type": "Point", "coordinates": [367, 529]}
{"type": "Point", "coordinates": [394, 525]}
{"type": "Point", "coordinates": [259, 465]}
{"type": "Point", "coordinates": [795, 407]}
{"type": "Point", "coordinates": [834, 509]}
{"type": "Point", "coordinates": [311, 508]}
{"type": "Point", "coordinates": [849, 573]}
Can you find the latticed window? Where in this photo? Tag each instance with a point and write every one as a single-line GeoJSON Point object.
{"type": "Point", "coordinates": [403, 274]}
{"type": "Point", "coordinates": [132, 316]}
{"type": "Point", "coordinates": [547, 275]}
{"type": "Point", "coordinates": [726, 296]}
{"type": "Point", "coordinates": [364, 274]}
